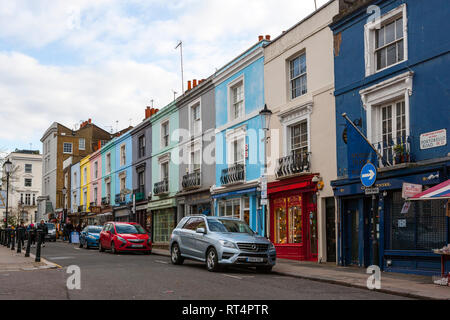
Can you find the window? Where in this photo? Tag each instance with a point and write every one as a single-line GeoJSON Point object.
{"type": "Point", "coordinates": [75, 179]}
{"type": "Point", "coordinates": [123, 157]}
{"type": "Point", "coordinates": [195, 161]}
{"type": "Point", "coordinates": [246, 209]}
{"type": "Point", "coordinates": [393, 126]}
{"type": "Point", "coordinates": [141, 143]}
{"type": "Point", "coordinates": [237, 101]}
{"type": "Point", "coordinates": [196, 120]}
{"type": "Point", "coordinates": [123, 181]}
{"type": "Point", "coordinates": [298, 76]}
{"type": "Point", "coordinates": [82, 144]}
{"type": "Point", "coordinates": [85, 175]}
{"type": "Point", "coordinates": [141, 181]}
{"type": "Point", "coordinates": [28, 168]}
{"type": "Point", "coordinates": [165, 134]}
{"type": "Point", "coordinates": [34, 199]}
{"type": "Point", "coordinates": [96, 170]}
{"type": "Point", "coordinates": [27, 199]}
{"type": "Point", "coordinates": [67, 148]}
{"type": "Point", "coordinates": [108, 163]}
{"type": "Point", "coordinates": [164, 171]}
{"type": "Point", "coordinates": [85, 198]}
{"type": "Point", "coordinates": [386, 41]}
{"type": "Point", "coordinates": [21, 198]}
{"type": "Point", "coordinates": [28, 182]}
{"type": "Point", "coordinates": [299, 138]}
{"type": "Point", "coordinates": [230, 208]}
{"type": "Point", "coordinates": [239, 151]}
{"type": "Point", "coordinates": [95, 195]}
{"type": "Point", "coordinates": [108, 190]}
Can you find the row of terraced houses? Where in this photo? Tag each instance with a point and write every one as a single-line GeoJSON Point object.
{"type": "Point", "coordinates": [264, 139]}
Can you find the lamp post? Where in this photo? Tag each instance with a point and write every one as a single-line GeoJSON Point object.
{"type": "Point", "coordinates": [265, 114]}
{"type": "Point", "coordinates": [7, 166]}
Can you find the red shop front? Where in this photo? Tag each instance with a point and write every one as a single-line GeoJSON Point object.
{"type": "Point", "coordinates": [293, 218]}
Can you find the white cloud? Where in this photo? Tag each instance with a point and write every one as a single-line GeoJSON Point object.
{"type": "Point", "coordinates": [122, 57]}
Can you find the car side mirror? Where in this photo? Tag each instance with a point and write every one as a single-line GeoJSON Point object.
{"type": "Point", "coordinates": [201, 230]}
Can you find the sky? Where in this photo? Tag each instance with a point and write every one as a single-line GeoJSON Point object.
{"type": "Point", "coordinates": [68, 61]}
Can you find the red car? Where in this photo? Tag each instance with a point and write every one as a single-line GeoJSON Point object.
{"type": "Point", "coordinates": [124, 237]}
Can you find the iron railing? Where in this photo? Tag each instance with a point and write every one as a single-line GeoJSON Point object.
{"type": "Point", "coordinates": [192, 180]}
{"type": "Point", "coordinates": [106, 201]}
{"type": "Point", "coordinates": [293, 164]}
{"type": "Point", "coordinates": [233, 174]}
{"type": "Point", "coordinates": [395, 151]}
{"type": "Point", "coordinates": [161, 187]}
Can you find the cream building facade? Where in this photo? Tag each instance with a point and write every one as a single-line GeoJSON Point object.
{"type": "Point", "coordinates": [299, 90]}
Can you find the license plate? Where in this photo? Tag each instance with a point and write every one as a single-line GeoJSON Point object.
{"type": "Point", "coordinates": [255, 259]}
{"type": "Point", "coordinates": [137, 246]}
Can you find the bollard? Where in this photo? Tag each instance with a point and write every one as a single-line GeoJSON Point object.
{"type": "Point", "coordinates": [13, 239]}
{"type": "Point", "coordinates": [38, 247]}
{"type": "Point", "coordinates": [8, 238]}
{"type": "Point", "coordinates": [27, 253]}
{"type": "Point", "coordinates": [19, 240]}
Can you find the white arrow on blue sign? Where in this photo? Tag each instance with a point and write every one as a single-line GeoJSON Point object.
{"type": "Point", "coordinates": [368, 175]}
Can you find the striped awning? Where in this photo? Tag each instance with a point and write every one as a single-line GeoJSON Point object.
{"type": "Point", "coordinates": [441, 191]}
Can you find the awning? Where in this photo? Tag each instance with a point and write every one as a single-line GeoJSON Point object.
{"type": "Point", "coordinates": [441, 191]}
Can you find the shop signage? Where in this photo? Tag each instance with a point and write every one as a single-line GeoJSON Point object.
{"type": "Point", "coordinates": [410, 190]}
{"type": "Point", "coordinates": [433, 139]}
{"type": "Point", "coordinates": [96, 209]}
{"type": "Point", "coordinates": [264, 202]}
{"type": "Point", "coordinates": [406, 207]}
{"type": "Point", "coordinates": [264, 187]}
{"type": "Point", "coordinates": [162, 204]}
{"type": "Point", "coordinates": [372, 191]}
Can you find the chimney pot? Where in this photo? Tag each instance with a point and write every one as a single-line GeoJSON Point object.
{"type": "Point", "coordinates": [189, 85]}
{"type": "Point", "coordinates": [195, 83]}
{"type": "Point", "coordinates": [260, 38]}
{"type": "Point", "coordinates": [268, 37]}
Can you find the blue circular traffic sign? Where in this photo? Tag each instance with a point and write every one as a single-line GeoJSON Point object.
{"type": "Point", "coordinates": [368, 175]}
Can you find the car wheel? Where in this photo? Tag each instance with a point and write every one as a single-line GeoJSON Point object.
{"type": "Point", "coordinates": [264, 269]}
{"type": "Point", "coordinates": [113, 248]}
{"type": "Point", "coordinates": [212, 262]}
{"type": "Point", "coordinates": [87, 245]}
{"type": "Point", "coordinates": [100, 248]}
{"type": "Point", "coordinates": [176, 257]}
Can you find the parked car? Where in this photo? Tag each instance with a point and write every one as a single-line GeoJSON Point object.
{"type": "Point", "coordinates": [220, 242]}
{"type": "Point", "coordinates": [124, 237]}
{"type": "Point", "coordinates": [51, 235]}
{"type": "Point", "coordinates": [90, 236]}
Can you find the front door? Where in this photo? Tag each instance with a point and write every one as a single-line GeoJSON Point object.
{"type": "Point", "coordinates": [351, 237]}
{"type": "Point", "coordinates": [331, 229]}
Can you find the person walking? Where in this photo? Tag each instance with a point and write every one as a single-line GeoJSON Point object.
{"type": "Point", "coordinates": [42, 230]}
{"type": "Point", "coordinates": [69, 229]}
{"type": "Point", "coordinates": [32, 234]}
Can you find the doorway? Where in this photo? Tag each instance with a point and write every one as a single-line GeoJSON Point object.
{"type": "Point", "coordinates": [351, 232]}
{"type": "Point", "coordinates": [330, 210]}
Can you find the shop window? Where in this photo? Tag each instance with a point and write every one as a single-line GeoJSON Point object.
{"type": "Point", "coordinates": [295, 220]}
{"type": "Point", "coordinates": [246, 210]}
{"type": "Point", "coordinates": [230, 208]}
{"type": "Point", "coordinates": [280, 222]}
{"type": "Point", "coordinates": [288, 220]}
{"type": "Point", "coordinates": [164, 223]}
{"type": "Point", "coordinates": [422, 228]}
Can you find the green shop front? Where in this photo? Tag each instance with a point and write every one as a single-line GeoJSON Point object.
{"type": "Point", "coordinates": [163, 215]}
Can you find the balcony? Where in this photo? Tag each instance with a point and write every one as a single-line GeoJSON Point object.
{"type": "Point", "coordinates": [106, 201]}
{"type": "Point", "coordinates": [81, 209]}
{"type": "Point", "coordinates": [161, 188]}
{"type": "Point", "coordinates": [293, 164]}
{"type": "Point", "coordinates": [396, 151]}
{"type": "Point", "coordinates": [139, 193]}
{"type": "Point", "coordinates": [234, 174]}
{"type": "Point", "coordinates": [92, 204]}
{"type": "Point", "coordinates": [120, 199]}
{"type": "Point", "coordinates": [192, 180]}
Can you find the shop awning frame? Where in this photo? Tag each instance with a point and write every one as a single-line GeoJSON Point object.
{"type": "Point", "coordinates": [439, 192]}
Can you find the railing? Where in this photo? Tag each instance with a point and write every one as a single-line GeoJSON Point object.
{"type": "Point", "coordinates": [139, 193]}
{"type": "Point", "coordinates": [161, 188]}
{"type": "Point", "coordinates": [82, 208]}
{"type": "Point", "coordinates": [120, 199]}
{"type": "Point", "coordinates": [106, 201]}
{"type": "Point", "coordinates": [234, 174]}
{"type": "Point", "coordinates": [192, 180]}
{"type": "Point", "coordinates": [293, 164]}
{"type": "Point", "coordinates": [396, 151]}
{"type": "Point", "coordinates": [92, 204]}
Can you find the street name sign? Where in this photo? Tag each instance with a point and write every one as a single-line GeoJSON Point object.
{"type": "Point", "coordinates": [372, 191]}
{"type": "Point", "coordinates": [368, 175]}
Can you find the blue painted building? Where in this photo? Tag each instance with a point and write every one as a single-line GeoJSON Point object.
{"type": "Point", "coordinates": [392, 80]}
{"type": "Point", "coordinates": [239, 97]}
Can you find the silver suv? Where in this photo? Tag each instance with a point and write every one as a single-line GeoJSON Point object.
{"type": "Point", "coordinates": [220, 241]}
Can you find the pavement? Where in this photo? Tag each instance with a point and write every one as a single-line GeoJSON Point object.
{"type": "Point", "coordinates": [130, 276]}
{"type": "Point", "coordinates": [11, 261]}
{"type": "Point", "coordinates": [407, 285]}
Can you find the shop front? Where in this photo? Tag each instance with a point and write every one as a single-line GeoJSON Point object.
{"type": "Point", "coordinates": [163, 220]}
{"type": "Point", "coordinates": [241, 204]}
{"type": "Point", "coordinates": [190, 204]}
{"type": "Point", "coordinates": [141, 216]}
{"type": "Point", "coordinates": [122, 214]}
{"type": "Point", "coordinates": [406, 232]}
{"type": "Point", "coordinates": [293, 218]}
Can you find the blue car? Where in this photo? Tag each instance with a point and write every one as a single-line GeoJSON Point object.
{"type": "Point", "coordinates": [90, 236]}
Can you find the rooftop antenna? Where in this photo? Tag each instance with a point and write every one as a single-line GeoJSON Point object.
{"type": "Point", "coordinates": [180, 45]}
{"type": "Point", "coordinates": [117, 126]}
{"type": "Point", "coordinates": [151, 102]}
{"type": "Point", "coordinates": [174, 94]}
{"type": "Point", "coordinates": [315, 4]}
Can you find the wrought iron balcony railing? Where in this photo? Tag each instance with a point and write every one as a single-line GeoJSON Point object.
{"type": "Point", "coordinates": [120, 199]}
{"type": "Point", "coordinates": [233, 174]}
{"type": "Point", "coordinates": [395, 151]}
{"type": "Point", "coordinates": [161, 188]}
{"type": "Point", "coordinates": [106, 201]}
{"type": "Point", "coordinates": [293, 164]}
{"type": "Point", "coordinates": [139, 193]}
{"type": "Point", "coordinates": [192, 180]}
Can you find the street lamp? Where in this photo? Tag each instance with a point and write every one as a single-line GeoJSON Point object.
{"type": "Point", "coordinates": [64, 192]}
{"type": "Point", "coordinates": [7, 168]}
{"type": "Point", "coordinates": [265, 114]}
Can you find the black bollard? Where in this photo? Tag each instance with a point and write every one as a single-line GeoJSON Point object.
{"type": "Point", "coordinates": [27, 253]}
{"type": "Point", "coordinates": [38, 248]}
{"type": "Point", "coordinates": [19, 240]}
{"type": "Point", "coordinates": [13, 239]}
{"type": "Point", "coordinates": [8, 238]}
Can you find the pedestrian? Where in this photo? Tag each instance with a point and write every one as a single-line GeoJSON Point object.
{"type": "Point", "coordinates": [69, 230]}
{"type": "Point", "coordinates": [42, 231]}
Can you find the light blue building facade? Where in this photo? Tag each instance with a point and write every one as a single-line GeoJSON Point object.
{"type": "Point", "coordinates": [239, 98]}
{"type": "Point", "coordinates": [75, 188]}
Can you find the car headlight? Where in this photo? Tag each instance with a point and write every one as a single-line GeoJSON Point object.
{"type": "Point", "coordinates": [271, 246]}
{"type": "Point", "coordinates": [228, 244]}
{"type": "Point", "coordinates": [121, 239]}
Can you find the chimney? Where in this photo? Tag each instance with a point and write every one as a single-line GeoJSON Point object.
{"type": "Point", "coordinates": [147, 113]}
{"type": "Point", "coordinates": [90, 120]}
{"type": "Point", "coordinates": [99, 144]}
{"type": "Point", "coordinates": [268, 37]}
{"type": "Point", "coordinates": [260, 38]}
{"type": "Point", "coordinates": [189, 85]}
{"type": "Point", "coordinates": [195, 83]}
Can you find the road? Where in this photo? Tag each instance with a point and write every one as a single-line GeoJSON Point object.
{"type": "Point", "coordinates": [135, 276]}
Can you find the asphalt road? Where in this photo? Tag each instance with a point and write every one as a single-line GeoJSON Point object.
{"type": "Point", "coordinates": [135, 276]}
